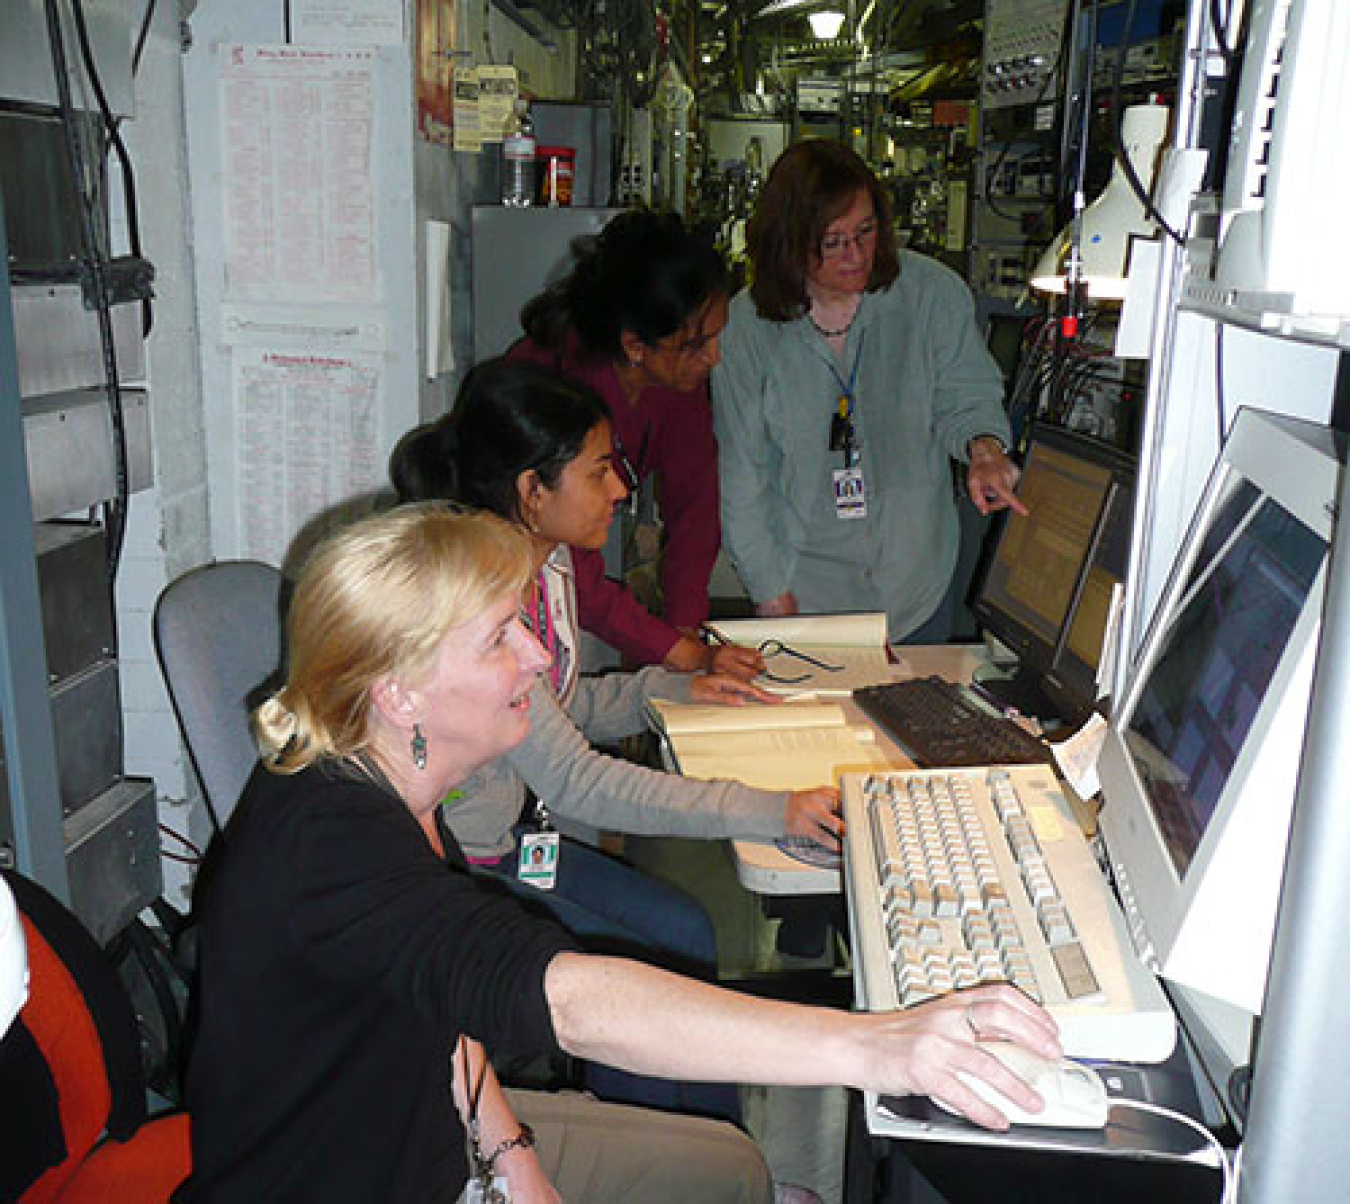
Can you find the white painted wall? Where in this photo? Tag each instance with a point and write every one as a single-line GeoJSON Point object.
{"type": "Point", "coordinates": [168, 530]}
{"type": "Point", "coordinates": [187, 518]}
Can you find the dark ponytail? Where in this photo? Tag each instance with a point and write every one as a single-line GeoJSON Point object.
{"type": "Point", "coordinates": [422, 466]}
{"type": "Point", "coordinates": [509, 417]}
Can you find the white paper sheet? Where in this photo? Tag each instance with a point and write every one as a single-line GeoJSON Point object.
{"type": "Point", "coordinates": [440, 353]}
{"type": "Point", "coordinates": [296, 130]}
{"type": "Point", "coordinates": [307, 441]}
{"type": "Point", "coordinates": [347, 22]}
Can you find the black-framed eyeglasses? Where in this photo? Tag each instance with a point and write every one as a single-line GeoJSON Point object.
{"type": "Point", "coordinates": [771, 648]}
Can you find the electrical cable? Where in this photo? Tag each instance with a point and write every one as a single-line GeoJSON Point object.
{"type": "Point", "coordinates": [194, 852]}
{"type": "Point", "coordinates": [1074, 288]}
{"type": "Point", "coordinates": [1118, 122]}
{"type": "Point", "coordinates": [1226, 1167]}
{"type": "Point", "coordinates": [1218, 23]}
{"type": "Point", "coordinates": [141, 37]}
{"type": "Point", "coordinates": [110, 123]}
{"type": "Point", "coordinates": [115, 509]}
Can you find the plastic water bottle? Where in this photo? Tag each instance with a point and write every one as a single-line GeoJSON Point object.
{"type": "Point", "coordinates": [518, 160]}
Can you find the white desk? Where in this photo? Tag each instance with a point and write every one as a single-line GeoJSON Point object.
{"type": "Point", "coordinates": [762, 868]}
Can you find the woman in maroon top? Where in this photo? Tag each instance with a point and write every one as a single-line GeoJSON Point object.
{"type": "Point", "coordinates": [638, 320]}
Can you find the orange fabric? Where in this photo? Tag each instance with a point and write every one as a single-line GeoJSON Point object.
{"type": "Point", "coordinates": [145, 1170]}
{"type": "Point", "coordinates": [64, 1030]}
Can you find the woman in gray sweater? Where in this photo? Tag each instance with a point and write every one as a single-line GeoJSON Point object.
{"type": "Point", "coordinates": [536, 450]}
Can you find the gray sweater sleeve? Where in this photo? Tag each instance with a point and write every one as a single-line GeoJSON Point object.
{"type": "Point", "coordinates": [576, 781]}
{"type": "Point", "coordinates": [614, 705]}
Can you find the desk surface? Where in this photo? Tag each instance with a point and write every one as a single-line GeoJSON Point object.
{"type": "Point", "coordinates": [766, 870]}
{"type": "Point", "coordinates": [1130, 1133]}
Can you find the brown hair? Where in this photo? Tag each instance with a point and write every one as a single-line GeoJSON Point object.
{"type": "Point", "coordinates": [811, 185]}
{"type": "Point", "coordinates": [377, 598]}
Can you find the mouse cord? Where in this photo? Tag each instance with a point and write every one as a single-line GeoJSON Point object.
{"type": "Point", "coordinates": [1228, 1168]}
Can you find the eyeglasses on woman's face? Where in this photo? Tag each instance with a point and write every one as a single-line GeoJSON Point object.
{"type": "Point", "coordinates": [835, 244]}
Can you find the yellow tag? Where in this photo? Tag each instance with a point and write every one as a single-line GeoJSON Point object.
{"type": "Point", "coordinates": [1046, 822]}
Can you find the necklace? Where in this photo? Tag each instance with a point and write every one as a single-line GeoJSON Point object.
{"type": "Point", "coordinates": [835, 334]}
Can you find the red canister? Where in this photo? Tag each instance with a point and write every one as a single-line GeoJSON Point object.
{"type": "Point", "coordinates": [556, 165]}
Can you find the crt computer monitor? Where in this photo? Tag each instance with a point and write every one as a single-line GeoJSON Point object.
{"type": "Point", "coordinates": [1200, 762]}
{"type": "Point", "coordinates": [1036, 578]}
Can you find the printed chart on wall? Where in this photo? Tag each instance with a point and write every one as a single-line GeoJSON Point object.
{"type": "Point", "coordinates": [297, 124]}
{"type": "Point", "coordinates": [307, 441]}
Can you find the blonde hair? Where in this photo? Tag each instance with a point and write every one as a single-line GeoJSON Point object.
{"type": "Point", "coordinates": [376, 599]}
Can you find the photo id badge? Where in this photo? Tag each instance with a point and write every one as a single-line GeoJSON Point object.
{"type": "Point", "coordinates": [498, 1193]}
{"type": "Point", "coordinates": [850, 494]}
{"type": "Point", "coordinates": [539, 859]}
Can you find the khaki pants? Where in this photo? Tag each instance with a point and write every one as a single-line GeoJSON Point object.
{"type": "Point", "coordinates": [597, 1153]}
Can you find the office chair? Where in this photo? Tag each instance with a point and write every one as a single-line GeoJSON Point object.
{"type": "Point", "coordinates": [218, 635]}
{"type": "Point", "coordinates": [72, 1076]}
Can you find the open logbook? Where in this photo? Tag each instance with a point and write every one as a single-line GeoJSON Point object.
{"type": "Point", "coordinates": [820, 654]}
{"type": "Point", "coordinates": [791, 746]}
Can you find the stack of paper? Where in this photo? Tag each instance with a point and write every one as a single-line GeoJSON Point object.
{"type": "Point", "coordinates": [792, 746]}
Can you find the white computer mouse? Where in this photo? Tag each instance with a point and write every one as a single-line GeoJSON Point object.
{"type": "Point", "coordinates": [1075, 1096]}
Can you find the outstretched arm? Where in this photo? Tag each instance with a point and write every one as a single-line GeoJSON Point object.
{"type": "Point", "coordinates": [646, 1020]}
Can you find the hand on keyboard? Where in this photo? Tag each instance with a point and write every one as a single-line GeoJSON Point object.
{"type": "Point", "coordinates": [814, 815]}
{"type": "Point", "coordinates": [925, 1050]}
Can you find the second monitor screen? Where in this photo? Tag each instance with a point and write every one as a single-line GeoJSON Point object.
{"type": "Point", "coordinates": [1040, 556]}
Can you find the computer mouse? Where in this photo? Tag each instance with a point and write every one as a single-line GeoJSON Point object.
{"type": "Point", "coordinates": [1075, 1096]}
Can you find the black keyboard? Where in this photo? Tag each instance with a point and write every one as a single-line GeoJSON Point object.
{"type": "Point", "coordinates": [941, 727]}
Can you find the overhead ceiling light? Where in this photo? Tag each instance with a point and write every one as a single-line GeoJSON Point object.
{"type": "Point", "coordinates": [1110, 223]}
{"type": "Point", "coordinates": [826, 23]}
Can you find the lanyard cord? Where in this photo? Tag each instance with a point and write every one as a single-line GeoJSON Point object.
{"type": "Point", "coordinates": [474, 1091]}
{"type": "Point", "coordinates": [842, 433]}
{"type": "Point", "coordinates": [846, 389]}
{"type": "Point", "coordinates": [545, 630]}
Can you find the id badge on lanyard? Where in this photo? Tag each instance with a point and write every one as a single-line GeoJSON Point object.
{"type": "Point", "coordinates": [539, 852]}
{"type": "Point", "coordinates": [850, 493]}
{"type": "Point", "coordinates": [850, 489]}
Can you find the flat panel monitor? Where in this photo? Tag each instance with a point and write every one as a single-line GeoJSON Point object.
{"type": "Point", "coordinates": [1071, 683]}
{"type": "Point", "coordinates": [1200, 762]}
{"type": "Point", "coordinates": [1034, 584]}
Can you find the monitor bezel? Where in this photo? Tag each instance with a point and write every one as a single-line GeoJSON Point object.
{"type": "Point", "coordinates": [1034, 652]}
{"type": "Point", "coordinates": [1201, 929]}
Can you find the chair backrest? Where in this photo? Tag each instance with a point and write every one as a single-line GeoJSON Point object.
{"type": "Point", "coordinates": [82, 1030]}
{"type": "Point", "coordinates": [73, 1076]}
{"type": "Point", "coordinates": [218, 634]}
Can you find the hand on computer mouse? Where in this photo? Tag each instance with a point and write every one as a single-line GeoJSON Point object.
{"type": "Point", "coordinates": [1072, 1096]}
{"type": "Point", "coordinates": [814, 814]}
{"type": "Point", "coordinates": [925, 1050]}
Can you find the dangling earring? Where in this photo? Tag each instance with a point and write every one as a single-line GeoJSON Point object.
{"type": "Point", "coordinates": [418, 744]}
